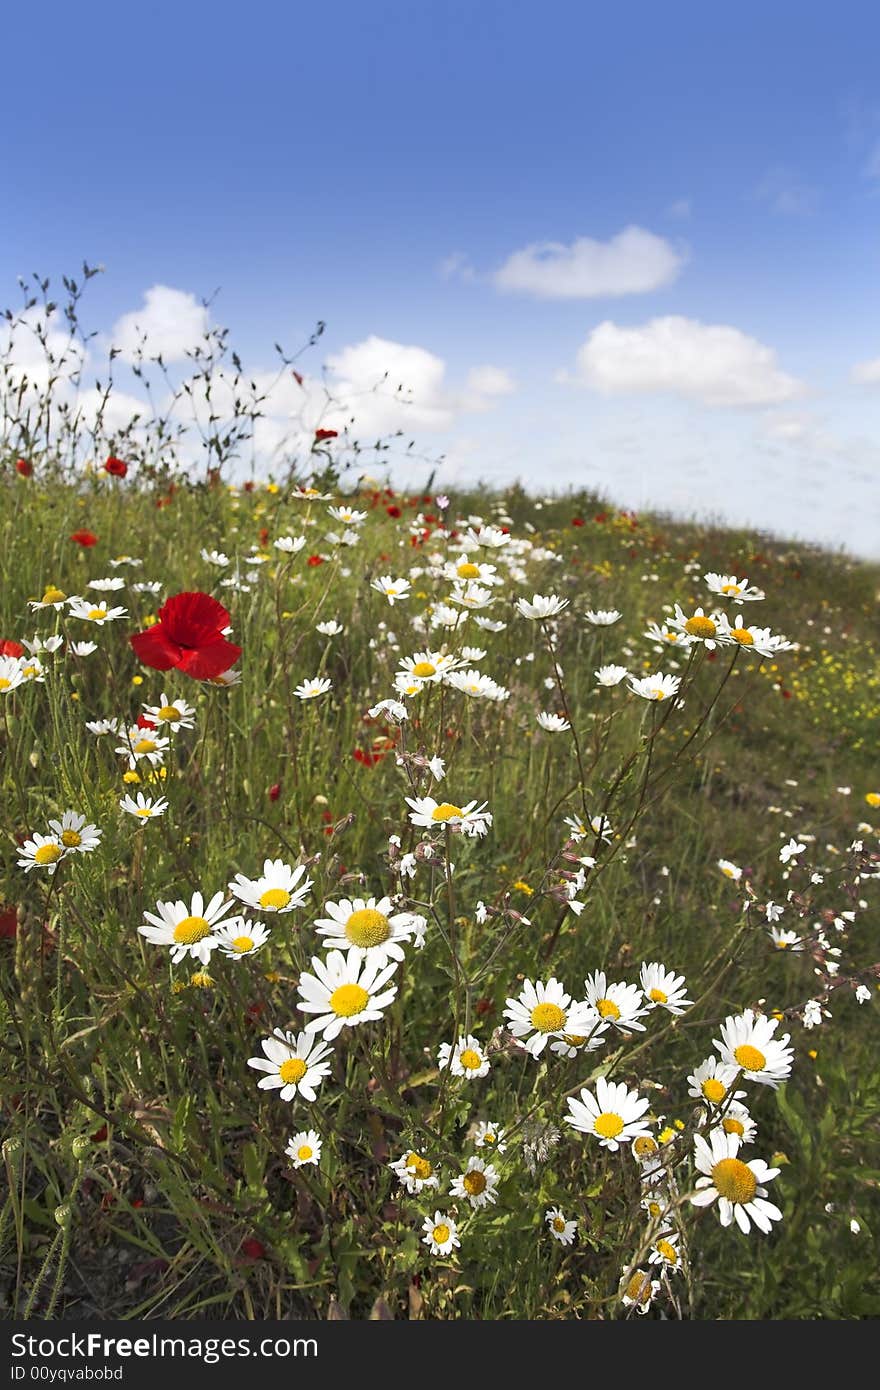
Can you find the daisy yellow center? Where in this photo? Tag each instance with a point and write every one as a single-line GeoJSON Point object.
{"type": "Point", "coordinates": [143, 811]}
{"type": "Point", "coordinates": [488, 1137]}
{"type": "Point", "coordinates": [700, 627]}
{"type": "Point", "coordinates": [734, 1180]}
{"type": "Point", "coordinates": [145, 745]}
{"type": "Point", "coordinates": [424, 669]}
{"type": "Point", "coordinates": [658, 693]}
{"type": "Point", "coordinates": [70, 839]}
{"type": "Point", "coordinates": [367, 928]}
{"type": "Point", "coordinates": [470, 1060]}
{"type": "Point", "coordinates": [645, 1146]}
{"type": "Point", "coordinates": [48, 854]}
{"type": "Point", "coordinates": [733, 1126]}
{"type": "Point", "coordinates": [441, 1233]}
{"type": "Point", "coordinates": [873, 798]}
{"type": "Point", "coordinates": [658, 996]}
{"type": "Point", "coordinates": [4, 683]}
{"type": "Point", "coordinates": [558, 1224]}
{"type": "Point", "coordinates": [608, 1125]}
{"type": "Point", "coordinates": [474, 1182]}
{"type": "Point", "coordinates": [169, 713]}
{"type": "Point", "coordinates": [547, 1018]}
{"type": "Point", "coordinates": [731, 588]}
{"type": "Point", "coordinates": [743, 636]}
{"type": "Point", "coordinates": [727, 871]}
{"type": "Point", "coordinates": [53, 595]}
{"type": "Point", "coordinates": [606, 1008]}
{"type": "Point", "coordinates": [639, 1288]}
{"type": "Point", "coordinates": [671, 636]}
{"type": "Point", "coordinates": [28, 671]}
{"type": "Point", "coordinates": [782, 945]}
{"type": "Point", "coordinates": [191, 930]}
{"type": "Point", "coordinates": [654, 1210]}
{"type": "Point", "coordinates": [445, 811]}
{"type": "Point", "coordinates": [750, 1058]}
{"type": "Point", "coordinates": [421, 1168]}
{"type": "Point", "coordinates": [574, 1039]}
{"type": "Point", "coordinates": [468, 571]}
{"type": "Point", "coordinates": [304, 1152]}
{"type": "Point", "coordinates": [348, 1000]}
{"type": "Point", "coordinates": [242, 943]}
{"type": "Point", "coordinates": [292, 1070]}
{"type": "Point", "coordinates": [668, 1251]}
{"type": "Point", "coordinates": [275, 897]}
{"type": "Point", "coordinates": [713, 1090]}
{"type": "Point", "coordinates": [95, 613]}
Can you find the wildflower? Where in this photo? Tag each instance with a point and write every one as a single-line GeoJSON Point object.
{"type": "Point", "coordinates": [144, 806]}
{"type": "Point", "coordinates": [310, 690]}
{"type": "Point", "coordinates": [470, 818]}
{"type": "Point", "coordinates": [11, 674]}
{"type": "Point", "coordinates": [98, 727]}
{"type": "Point", "coordinates": [415, 1171]}
{"type": "Point", "coordinates": [545, 1011]}
{"type": "Point", "coordinates": [791, 851]}
{"type": "Point", "coordinates": [74, 834]}
{"type": "Point", "coordinates": [656, 687]}
{"type": "Point", "coordinates": [730, 870]}
{"type": "Point", "coordinates": [786, 940]}
{"type": "Point", "coordinates": [553, 723]}
{"type": "Point", "coordinates": [83, 648]}
{"type": "Point", "coordinates": [115, 467]}
{"type": "Point", "coordinates": [477, 1183]}
{"type": "Point", "coordinates": [738, 1186]}
{"type": "Point", "coordinates": [620, 1004]}
{"type": "Point", "coordinates": [728, 586]}
{"type": "Point", "coordinates": [173, 714]}
{"type": "Point", "coordinates": [562, 1230]}
{"type": "Point", "coordinates": [278, 889]}
{"type": "Point", "coordinates": [747, 1040]}
{"type": "Point", "coordinates": [441, 1233]}
{"type": "Point", "coordinates": [304, 1147]}
{"type": "Point", "coordinates": [664, 990]}
{"type": "Point", "coordinates": [700, 627]}
{"type": "Point", "coordinates": [97, 613]}
{"type": "Point", "coordinates": [665, 1251]}
{"type": "Point", "coordinates": [187, 930]}
{"type": "Point", "coordinates": [712, 1079]}
{"type": "Point", "coordinates": [143, 744]}
{"type": "Point", "coordinates": [294, 1063]}
{"type": "Point", "coordinates": [736, 1120]}
{"type": "Point", "coordinates": [41, 852]}
{"type": "Point", "coordinates": [863, 994]}
{"type": "Point", "coordinates": [372, 926]}
{"type": "Point", "coordinates": [610, 675]}
{"type": "Point", "coordinates": [393, 589]}
{"type": "Point", "coordinates": [344, 991]}
{"type": "Point", "coordinates": [487, 1135]}
{"type": "Point", "coordinates": [466, 1058]}
{"type": "Point", "coordinates": [188, 637]}
{"type": "Point", "coordinates": [392, 708]}
{"type": "Point", "coordinates": [52, 598]}
{"type": "Point", "coordinates": [291, 545]}
{"type": "Point", "coordinates": [239, 937]}
{"type": "Point", "coordinates": [612, 1114]}
{"type": "Point", "coordinates": [84, 538]}
{"type": "Point", "coordinates": [428, 668]}
{"type": "Point", "coordinates": [640, 1289]}
{"type": "Point", "coordinates": [541, 607]}
{"type": "Point", "coordinates": [478, 685]}
{"type": "Point", "coordinates": [599, 825]}
{"type": "Point", "coordinates": [329, 629]}
{"type": "Point", "coordinates": [603, 617]}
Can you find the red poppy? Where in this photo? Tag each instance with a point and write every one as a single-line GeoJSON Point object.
{"type": "Point", "coordinates": [188, 637]}
{"type": "Point", "coordinates": [274, 791]}
{"type": "Point", "coordinates": [116, 467]}
{"type": "Point", "coordinates": [24, 468]}
{"type": "Point", "coordinates": [577, 521]}
{"type": "Point", "coordinates": [144, 721]}
{"type": "Point", "coordinates": [314, 560]}
{"type": "Point", "coordinates": [264, 535]}
{"type": "Point", "coordinates": [10, 648]}
{"type": "Point", "coordinates": [85, 538]}
{"type": "Point", "coordinates": [325, 434]}
{"type": "Point", "coordinates": [253, 1249]}
{"type": "Point", "coordinates": [393, 511]}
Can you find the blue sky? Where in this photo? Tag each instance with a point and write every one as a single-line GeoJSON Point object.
{"type": "Point", "coordinates": [377, 167]}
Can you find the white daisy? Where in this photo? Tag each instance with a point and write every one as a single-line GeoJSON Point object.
{"type": "Point", "coordinates": [736, 1120]}
{"type": "Point", "coordinates": [786, 940]}
{"type": "Point", "coordinates": [171, 714]}
{"type": "Point", "coordinates": [187, 930]}
{"type": "Point", "coordinates": [621, 1004]}
{"type": "Point", "coordinates": [599, 825]}
{"type": "Point", "coordinates": [700, 627]}
{"type": "Point", "coordinates": [291, 545]}
{"type": "Point", "coordinates": [372, 926]}
{"type": "Point", "coordinates": [143, 744]}
{"type": "Point", "coordinates": [477, 1183]}
{"type": "Point", "coordinates": [553, 723]}
{"type": "Point", "coordinates": [728, 586]}
{"type": "Point", "coordinates": [712, 1080]}
{"type": "Point", "coordinates": [295, 1064]}
{"type": "Point", "coordinates": [541, 607]}
{"type": "Point", "coordinates": [487, 1135]}
{"type": "Point", "coordinates": [239, 936]}
{"type": "Point", "coordinates": [639, 1289]}
{"type": "Point", "coordinates": [145, 807]}
{"type": "Point", "coordinates": [52, 598]}
{"type": "Point", "coordinates": [304, 1147]}
{"type": "Point", "coordinates": [103, 726]}
{"type": "Point", "coordinates": [662, 989]}
{"type": "Point", "coordinates": [311, 689]}
{"type": "Point", "coordinates": [471, 819]}
{"type": "Point", "coordinates": [344, 991]}
{"type": "Point", "coordinates": [415, 1171]}
{"type": "Point", "coordinates": [428, 668]}
{"type": "Point", "coordinates": [41, 852]}
{"type": "Point", "coordinates": [665, 1251]}
{"type": "Point", "coordinates": [215, 557]}
{"type": "Point", "coordinates": [562, 1230]}
{"type": "Point", "coordinates": [610, 675]}
{"type": "Point", "coordinates": [83, 648]}
{"type": "Point", "coordinates": [747, 1041]}
{"type": "Point", "coordinates": [441, 1233]}
{"type": "Point", "coordinates": [278, 889]}
{"type": "Point", "coordinates": [37, 645]}
{"type": "Point", "coordinates": [545, 1011]}
{"type": "Point", "coordinates": [74, 834]}
{"type": "Point", "coordinates": [571, 1044]}
{"type": "Point", "coordinates": [95, 613]}
{"type": "Point", "coordinates": [478, 685]}
{"type": "Point", "coordinates": [730, 870]}
{"type": "Point", "coordinates": [603, 617]}
{"type": "Point", "coordinates": [393, 589]}
{"type": "Point", "coordinates": [106, 586]}
{"type": "Point", "coordinates": [11, 674]}
{"type": "Point", "coordinates": [329, 629]}
{"type": "Point", "coordinates": [613, 1114]}
{"type": "Point", "coordinates": [738, 1186]}
{"type": "Point", "coordinates": [656, 687]}
{"type": "Point", "coordinates": [466, 1058]}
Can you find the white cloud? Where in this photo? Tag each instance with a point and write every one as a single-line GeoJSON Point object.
{"type": "Point", "coordinates": [712, 363]}
{"type": "Point", "coordinates": [867, 373]}
{"type": "Point", "coordinates": [173, 321]}
{"type": "Point", "coordinates": [632, 262]}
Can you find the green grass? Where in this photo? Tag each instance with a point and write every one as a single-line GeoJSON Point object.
{"type": "Point", "coordinates": [126, 1096]}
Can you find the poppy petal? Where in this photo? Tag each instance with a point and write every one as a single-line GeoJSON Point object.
{"type": "Point", "coordinates": [213, 657]}
{"type": "Point", "coordinates": [190, 618]}
{"type": "Point", "coordinates": [154, 648]}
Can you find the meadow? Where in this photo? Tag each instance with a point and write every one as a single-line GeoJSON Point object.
{"type": "Point", "coordinates": [464, 907]}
